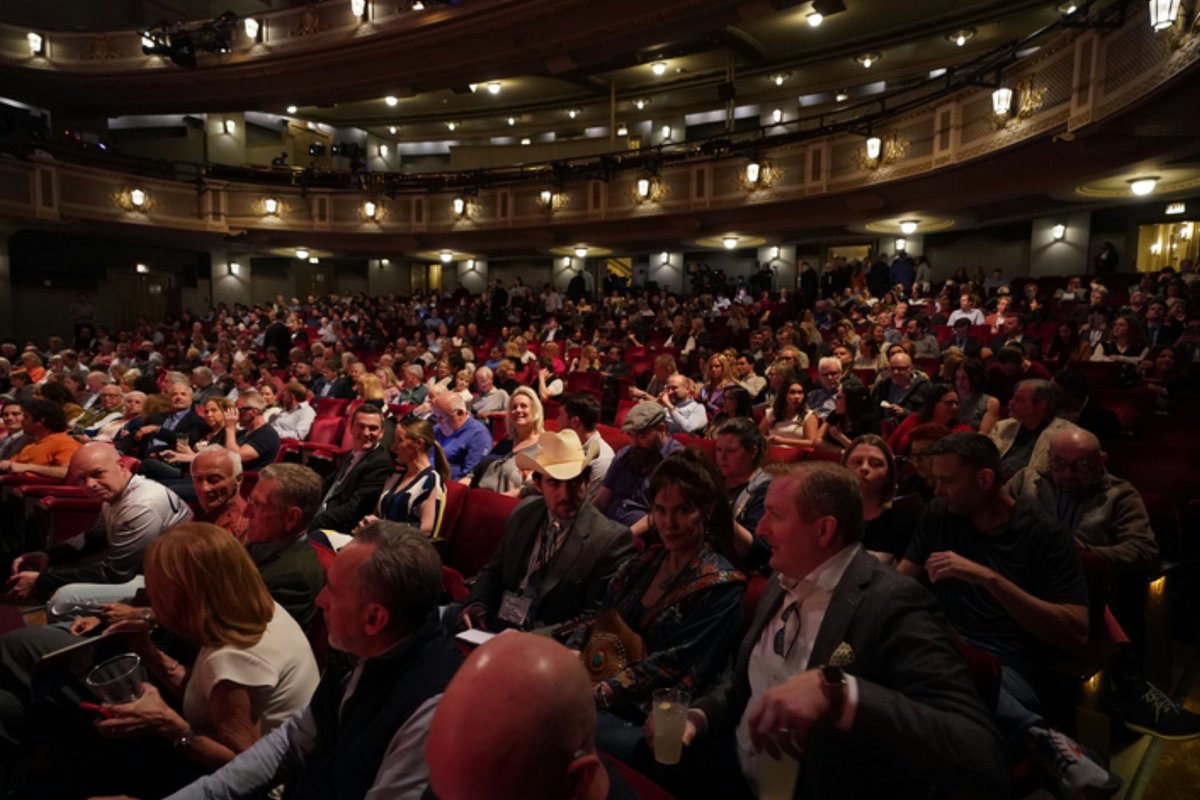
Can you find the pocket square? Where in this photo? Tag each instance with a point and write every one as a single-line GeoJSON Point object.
{"type": "Point", "coordinates": [843, 656]}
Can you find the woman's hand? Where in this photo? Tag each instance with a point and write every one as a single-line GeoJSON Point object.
{"type": "Point", "coordinates": [138, 631]}
{"type": "Point", "coordinates": [148, 714]}
{"type": "Point", "coordinates": [119, 612]}
{"type": "Point", "coordinates": [81, 626]}
{"type": "Point", "coordinates": [365, 521]}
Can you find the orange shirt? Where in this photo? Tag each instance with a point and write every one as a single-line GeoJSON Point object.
{"type": "Point", "coordinates": [54, 450]}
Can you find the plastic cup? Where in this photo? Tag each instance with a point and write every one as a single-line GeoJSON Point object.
{"type": "Point", "coordinates": [670, 717]}
{"type": "Point", "coordinates": [118, 680]}
{"type": "Point", "coordinates": [776, 777]}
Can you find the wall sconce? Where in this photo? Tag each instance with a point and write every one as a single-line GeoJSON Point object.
{"type": "Point", "coordinates": [665, 258]}
{"type": "Point", "coordinates": [961, 37]}
{"type": "Point", "coordinates": [252, 28]}
{"type": "Point", "coordinates": [1143, 186]}
{"type": "Point", "coordinates": [358, 8]}
{"type": "Point", "coordinates": [270, 206]}
{"type": "Point", "coordinates": [141, 269]}
{"type": "Point", "coordinates": [775, 253]}
{"type": "Point", "coordinates": [235, 268]}
{"type": "Point", "coordinates": [760, 173]}
{"type": "Point", "coordinates": [1058, 232]}
{"type": "Point", "coordinates": [133, 199]}
{"type": "Point", "coordinates": [547, 199]}
{"type": "Point", "coordinates": [666, 133]}
{"type": "Point", "coordinates": [880, 151]}
{"type": "Point", "coordinates": [37, 43]}
{"type": "Point", "coordinates": [459, 206]}
{"type": "Point", "coordinates": [302, 254]}
{"type": "Point", "coordinates": [730, 242]}
{"type": "Point", "coordinates": [383, 151]}
{"type": "Point", "coordinates": [648, 189]}
{"type": "Point", "coordinates": [641, 102]}
{"type": "Point", "coordinates": [230, 127]}
{"type": "Point", "coordinates": [470, 265]}
{"type": "Point", "coordinates": [908, 226]}
{"type": "Point", "coordinates": [777, 116]}
{"type": "Point", "coordinates": [314, 260]}
{"type": "Point", "coordinates": [550, 201]}
{"type": "Point", "coordinates": [1163, 14]}
{"type": "Point", "coordinates": [370, 209]}
{"type": "Point", "coordinates": [867, 59]}
{"type": "Point", "coordinates": [901, 245]}
{"type": "Point", "coordinates": [1002, 101]}
{"type": "Point", "coordinates": [753, 172]}
{"type": "Point", "coordinates": [446, 256]}
{"type": "Point", "coordinates": [622, 130]}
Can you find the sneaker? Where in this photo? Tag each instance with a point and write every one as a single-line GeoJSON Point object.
{"type": "Point", "coordinates": [1075, 775]}
{"type": "Point", "coordinates": [1147, 709]}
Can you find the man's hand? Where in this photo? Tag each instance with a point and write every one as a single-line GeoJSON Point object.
{"type": "Point", "coordinates": [785, 716]}
{"type": "Point", "coordinates": [473, 617]}
{"type": "Point", "coordinates": [231, 422]}
{"type": "Point", "coordinates": [665, 400]}
{"type": "Point", "coordinates": [36, 562]}
{"type": "Point", "coordinates": [946, 564]}
{"type": "Point", "coordinates": [80, 626]}
{"type": "Point", "coordinates": [20, 585]}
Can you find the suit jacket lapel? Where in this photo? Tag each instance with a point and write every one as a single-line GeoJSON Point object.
{"type": "Point", "coordinates": [842, 605]}
{"type": "Point", "coordinates": [768, 605]}
{"type": "Point", "coordinates": [564, 562]}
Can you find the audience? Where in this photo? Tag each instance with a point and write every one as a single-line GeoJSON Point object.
{"type": "Point", "coordinates": [1024, 440]}
{"type": "Point", "coordinates": [415, 493]}
{"type": "Point", "coordinates": [352, 490]}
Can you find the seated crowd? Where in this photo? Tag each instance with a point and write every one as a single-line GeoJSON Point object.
{"type": "Point", "coordinates": [815, 514]}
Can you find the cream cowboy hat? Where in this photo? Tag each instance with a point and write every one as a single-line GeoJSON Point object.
{"type": "Point", "coordinates": [560, 455]}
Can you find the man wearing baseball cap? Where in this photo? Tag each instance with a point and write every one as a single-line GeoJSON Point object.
{"type": "Point", "coordinates": [558, 550]}
{"type": "Point", "coordinates": [624, 495]}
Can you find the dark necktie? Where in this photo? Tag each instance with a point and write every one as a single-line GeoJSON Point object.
{"type": "Point", "coordinates": [787, 636]}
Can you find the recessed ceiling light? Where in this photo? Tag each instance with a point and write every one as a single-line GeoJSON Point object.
{"type": "Point", "coordinates": [292, 109]}
{"type": "Point", "coordinates": [867, 59]}
{"type": "Point", "coordinates": [526, 141]}
{"type": "Point", "coordinates": [512, 121]}
{"type": "Point", "coordinates": [815, 19]}
{"type": "Point", "coordinates": [452, 125]}
{"type": "Point", "coordinates": [1143, 186]}
{"type": "Point", "coordinates": [573, 112]}
{"type": "Point", "coordinates": [302, 254]}
{"type": "Point", "coordinates": [779, 78]}
{"type": "Point", "coordinates": [392, 130]}
{"type": "Point", "coordinates": [622, 130]}
{"type": "Point", "coordinates": [730, 242]}
{"type": "Point", "coordinates": [659, 68]}
{"type": "Point", "coordinates": [908, 226]}
{"type": "Point", "coordinates": [641, 103]}
{"type": "Point", "coordinates": [391, 100]}
{"type": "Point", "coordinates": [842, 96]}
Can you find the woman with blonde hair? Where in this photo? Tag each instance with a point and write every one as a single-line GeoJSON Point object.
{"type": "Point", "coordinates": [253, 671]}
{"type": "Point", "coordinates": [525, 422]}
{"type": "Point", "coordinates": [588, 360]}
{"type": "Point", "coordinates": [718, 376]}
{"type": "Point", "coordinates": [370, 390]}
{"type": "Point", "coordinates": [389, 381]}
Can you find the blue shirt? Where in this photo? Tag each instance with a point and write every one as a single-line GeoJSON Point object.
{"type": "Point", "coordinates": [466, 447]}
{"type": "Point", "coordinates": [629, 486]}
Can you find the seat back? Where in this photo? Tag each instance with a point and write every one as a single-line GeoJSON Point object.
{"type": "Point", "coordinates": [623, 409]}
{"type": "Point", "coordinates": [331, 406]}
{"type": "Point", "coordinates": [615, 437]}
{"type": "Point", "coordinates": [578, 381]}
{"type": "Point", "coordinates": [478, 531]}
{"type": "Point", "coordinates": [782, 454]}
{"type": "Point", "coordinates": [326, 430]}
{"type": "Point", "coordinates": [456, 498]}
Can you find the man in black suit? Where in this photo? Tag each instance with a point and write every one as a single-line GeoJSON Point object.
{"type": "Point", "coordinates": [847, 668]}
{"type": "Point", "coordinates": [277, 337]}
{"type": "Point", "coordinates": [1013, 335]}
{"type": "Point", "coordinates": [162, 430]}
{"type": "Point", "coordinates": [330, 383]}
{"type": "Point", "coordinates": [961, 338]}
{"type": "Point", "coordinates": [558, 550]}
{"type": "Point", "coordinates": [353, 489]}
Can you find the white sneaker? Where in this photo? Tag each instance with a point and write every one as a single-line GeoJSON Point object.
{"type": "Point", "coordinates": [1076, 775]}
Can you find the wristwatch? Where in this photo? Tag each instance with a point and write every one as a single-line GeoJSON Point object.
{"type": "Point", "coordinates": [833, 683]}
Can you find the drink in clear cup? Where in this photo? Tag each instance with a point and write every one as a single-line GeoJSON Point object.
{"type": "Point", "coordinates": [670, 715]}
{"type": "Point", "coordinates": [117, 680]}
{"type": "Point", "coordinates": [776, 777]}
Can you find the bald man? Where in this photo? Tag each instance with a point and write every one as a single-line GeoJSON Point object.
{"type": "Point", "coordinates": [1105, 513]}
{"type": "Point", "coordinates": [104, 563]}
{"type": "Point", "coordinates": [557, 759]}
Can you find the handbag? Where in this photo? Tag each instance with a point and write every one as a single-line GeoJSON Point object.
{"type": "Point", "coordinates": [611, 646]}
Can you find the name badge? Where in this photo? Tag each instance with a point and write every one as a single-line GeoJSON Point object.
{"type": "Point", "coordinates": [514, 609]}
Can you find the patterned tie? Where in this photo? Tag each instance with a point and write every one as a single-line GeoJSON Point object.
{"type": "Point", "coordinates": [789, 632]}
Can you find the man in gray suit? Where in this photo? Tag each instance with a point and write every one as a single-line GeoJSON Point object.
{"type": "Point", "coordinates": [558, 550]}
{"type": "Point", "coordinates": [848, 669]}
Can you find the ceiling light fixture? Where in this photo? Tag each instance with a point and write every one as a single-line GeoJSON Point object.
{"type": "Point", "coordinates": [842, 96]}
{"type": "Point", "coordinates": [641, 103]}
{"type": "Point", "coordinates": [779, 78]}
{"type": "Point", "coordinates": [251, 27]}
{"type": "Point", "coordinates": [446, 256]}
{"type": "Point", "coordinates": [961, 37]}
{"type": "Point", "coordinates": [573, 112]}
{"type": "Point", "coordinates": [493, 87]}
{"type": "Point", "coordinates": [512, 121]}
{"type": "Point", "coordinates": [271, 206]}
{"type": "Point", "coordinates": [292, 109]}
{"type": "Point", "coordinates": [392, 130]}
{"type": "Point", "coordinates": [314, 260]}
{"type": "Point", "coordinates": [1163, 14]}
{"type": "Point", "coordinates": [1143, 186]}
{"type": "Point", "coordinates": [814, 19]}
{"type": "Point", "coordinates": [302, 254]}
{"type": "Point", "coordinates": [581, 251]}
{"type": "Point", "coordinates": [526, 141]}
{"type": "Point", "coordinates": [141, 269]}
{"type": "Point", "coordinates": [622, 130]}
{"type": "Point", "coordinates": [730, 242]}
{"type": "Point", "coordinates": [867, 59]}
{"type": "Point", "coordinates": [391, 101]}
{"type": "Point", "coordinates": [452, 125]}
{"type": "Point", "coordinates": [1058, 232]}
{"type": "Point", "coordinates": [908, 226]}
{"type": "Point", "coordinates": [659, 68]}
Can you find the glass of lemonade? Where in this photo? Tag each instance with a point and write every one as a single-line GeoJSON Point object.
{"type": "Point", "coordinates": [670, 717]}
{"type": "Point", "coordinates": [776, 776]}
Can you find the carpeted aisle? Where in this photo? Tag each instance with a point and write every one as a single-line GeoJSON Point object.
{"type": "Point", "coordinates": [1171, 770]}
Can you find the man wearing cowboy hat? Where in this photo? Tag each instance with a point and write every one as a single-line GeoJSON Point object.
{"type": "Point", "coordinates": [558, 550]}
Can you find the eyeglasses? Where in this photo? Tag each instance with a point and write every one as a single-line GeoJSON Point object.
{"type": "Point", "coordinates": [1078, 466]}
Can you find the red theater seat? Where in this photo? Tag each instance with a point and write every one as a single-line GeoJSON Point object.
{"type": "Point", "coordinates": [478, 531]}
